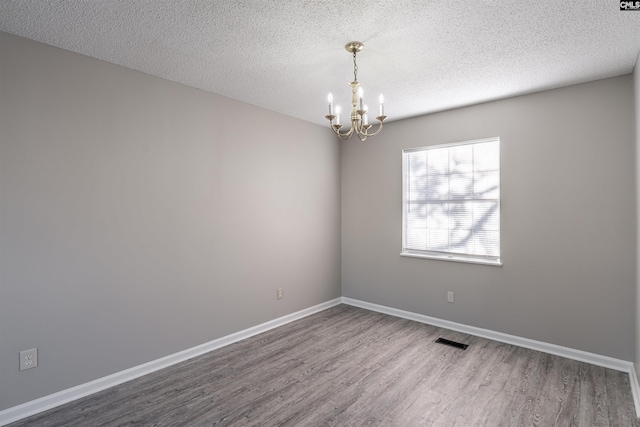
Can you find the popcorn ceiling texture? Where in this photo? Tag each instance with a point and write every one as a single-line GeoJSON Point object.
{"type": "Point", "coordinates": [287, 55]}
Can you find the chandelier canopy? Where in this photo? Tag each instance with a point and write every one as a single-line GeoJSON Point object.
{"type": "Point", "coordinates": [359, 111]}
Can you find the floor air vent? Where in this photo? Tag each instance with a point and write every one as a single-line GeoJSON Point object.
{"type": "Point", "coordinates": [452, 343]}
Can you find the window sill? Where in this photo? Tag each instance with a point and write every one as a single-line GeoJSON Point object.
{"type": "Point", "coordinates": [454, 258]}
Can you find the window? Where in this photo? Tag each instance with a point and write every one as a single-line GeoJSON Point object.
{"type": "Point", "coordinates": [451, 201]}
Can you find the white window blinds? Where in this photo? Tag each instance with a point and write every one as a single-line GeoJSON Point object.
{"type": "Point", "coordinates": [451, 200]}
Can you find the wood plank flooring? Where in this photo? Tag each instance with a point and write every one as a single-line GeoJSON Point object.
{"type": "Point", "coordinates": [347, 366]}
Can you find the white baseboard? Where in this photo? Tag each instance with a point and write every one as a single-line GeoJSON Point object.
{"type": "Point", "coordinates": [570, 353]}
{"type": "Point", "coordinates": [56, 399]}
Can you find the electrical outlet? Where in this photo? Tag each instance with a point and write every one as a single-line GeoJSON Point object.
{"type": "Point", "coordinates": [449, 296]}
{"type": "Point", "coordinates": [28, 359]}
{"type": "Point", "coordinates": [280, 293]}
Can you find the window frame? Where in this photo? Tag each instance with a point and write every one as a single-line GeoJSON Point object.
{"type": "Point", "coordinates": [446, 256]}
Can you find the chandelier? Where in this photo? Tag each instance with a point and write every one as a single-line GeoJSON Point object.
{"type": "Point", "coordinates": [359, 111]}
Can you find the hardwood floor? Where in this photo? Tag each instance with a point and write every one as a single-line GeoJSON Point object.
{"type": "Point", "coordinates": [347, 366]}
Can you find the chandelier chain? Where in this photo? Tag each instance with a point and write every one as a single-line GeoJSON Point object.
{"type": "Point", "coordinates": [355, 68]}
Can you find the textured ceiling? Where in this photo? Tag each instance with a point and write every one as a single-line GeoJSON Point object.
{"type": "Point", "coordinates": [286, 55]}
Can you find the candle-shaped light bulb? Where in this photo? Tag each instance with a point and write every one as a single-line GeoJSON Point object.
{"type": "Point", "coordinates": [330, 98]}
{"type": "Point", "coordinates": [381, 104]}
{"type": "Point", "coordinates": [365, 118]}
{"type": "Point", "coordinates": [360, 95]}
{"type": "Point", "coordinates": [337, 114]}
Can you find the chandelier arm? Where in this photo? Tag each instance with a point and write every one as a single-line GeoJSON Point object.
{"type": "Point", "coordinates": [356, 124]}
{"type": "Point", "coordinates": [376, 132]}
{"type": "Point", "coordinates": [359, 126]}
{"type": "Point", "coordinates": [362, 128]}
{"type": "Point", "coordinates": [344, 136]}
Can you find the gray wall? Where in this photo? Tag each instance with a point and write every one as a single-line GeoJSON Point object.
{"type": "Point", "coordinates": [568, 220]}
{"type": "Point", "coordinates": [140, 217]}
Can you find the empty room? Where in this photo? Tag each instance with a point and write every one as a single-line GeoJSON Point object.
{"type": "Point", "coordinates": [329, 213]}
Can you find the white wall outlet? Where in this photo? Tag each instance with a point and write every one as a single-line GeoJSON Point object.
{"type": "Point", "coordinates": [449, 296]}
{"type": "Point", "coordinates": [28, 359]}
{"type": "Point", "coordinates": [280, 293]}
